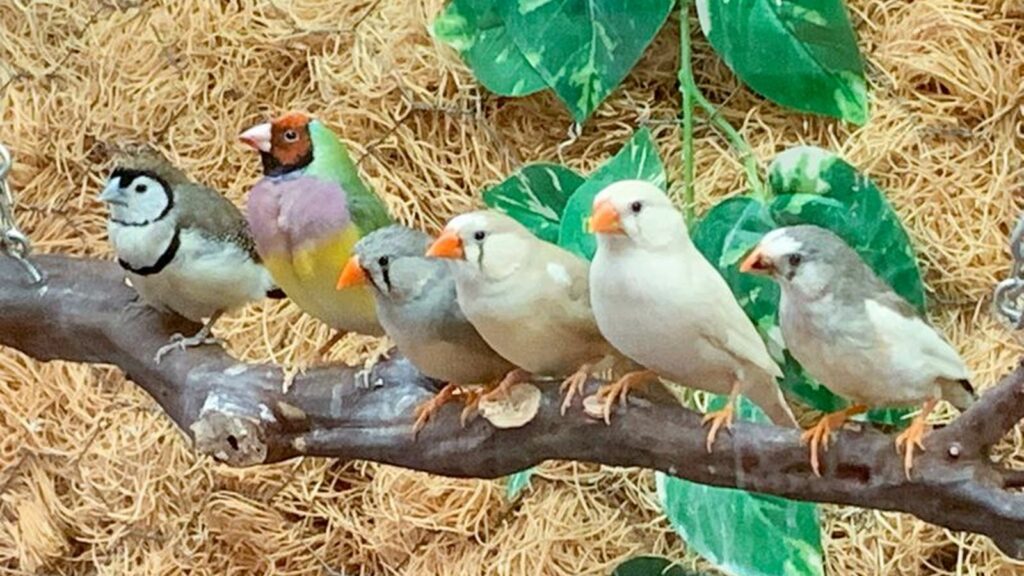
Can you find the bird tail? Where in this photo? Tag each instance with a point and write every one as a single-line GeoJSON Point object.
{"type": "Point", "coordinates": [959, 393]}
{"type": "Point", "coordinates": [768, 396]}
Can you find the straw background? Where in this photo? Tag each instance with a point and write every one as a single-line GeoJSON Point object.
{"type": "Point", "coordinates": [94, 480]}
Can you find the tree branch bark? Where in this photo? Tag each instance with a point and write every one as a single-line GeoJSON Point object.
{"type": "Point", "coordinates": [237, 413]}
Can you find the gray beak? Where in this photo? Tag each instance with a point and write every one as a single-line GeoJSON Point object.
{"type": "Point", "coordinates": [112, 193]}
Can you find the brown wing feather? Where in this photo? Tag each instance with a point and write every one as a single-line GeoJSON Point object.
{"type": "Point", "coordinates": [213, 215]}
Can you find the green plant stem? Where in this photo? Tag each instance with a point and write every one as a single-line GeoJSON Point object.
{"type": "Point", "coordinates": [687, 87]}
{"type": "Point", "coordinates": [691, 93]}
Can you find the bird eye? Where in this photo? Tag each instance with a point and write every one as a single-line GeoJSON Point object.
{"type": "Point", "coordinates": [141, 188]}
{"type": "Point", "coordinates": [479, 235]}
{"type": "Point", "coordinates": [290, 136]}
{"type": "Point", "coordinates": [636, 207]}
{"type": "Point", "coordinates": [382, 261]}
{"type": "Point", "coordinates": [794, 260]}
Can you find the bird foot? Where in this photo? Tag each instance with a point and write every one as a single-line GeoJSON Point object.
{"type": "Point", "coordinates": [908, 439]}
{"type": "Point", "coordinates": [819, 435]}
{"type": "Point", "coordinates": [573, 386]}
{"type": "Point", "coordinates": [619, 390]}
{"type": "Point", "coordinates": [718, 419]}
{"type": "Point", "coordinates": [181, 342]}
{"type": "Point", "coordinates": [472, 403]}
{"type": "Point", "coordinates": [501, 390]}
{"type": "Point", "coordinates": [427, 409]}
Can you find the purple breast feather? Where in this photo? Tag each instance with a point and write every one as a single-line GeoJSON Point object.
{"type": "Point", "coordinates": [287, 212]}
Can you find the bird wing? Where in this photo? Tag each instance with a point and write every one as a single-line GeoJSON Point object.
{"type": "Point", "coordinates": [205, 210]}
{"type": "Point", "coordinates": [724, 322]}
{"type": "Point", "coordinates": [911, 339]}
{"type": "Point", "coordinates": [568, 276]}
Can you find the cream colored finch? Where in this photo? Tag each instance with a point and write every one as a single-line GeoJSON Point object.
{"type": "Point", "coordinates": [662, 304]}
{"type": "Point", "coordinates": [850, 331]}
{"type": "Point", "coordinates": [527, 298]}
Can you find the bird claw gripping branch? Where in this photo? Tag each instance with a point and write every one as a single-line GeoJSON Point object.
{"type": "Point", "coordinates": [13, 241]}
{"type": "Point", "coordinates": [1008, 300]}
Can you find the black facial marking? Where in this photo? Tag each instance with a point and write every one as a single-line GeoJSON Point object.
{"type": "Point", "coordinates": [127, 176]}
{"type": "Point", "coordinates": [161, 262]}
{"type": "Point", "coordinates": [272, 167]}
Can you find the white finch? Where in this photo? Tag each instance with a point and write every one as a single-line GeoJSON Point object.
{"type": "Point", "coordinates": [662, 304]}
{"type": "Point", "coordinates": [527, 298]}
{"type": "Point", "coordinates": [185, 248]}
{"type": "Point", "coordinates": [855, 335]}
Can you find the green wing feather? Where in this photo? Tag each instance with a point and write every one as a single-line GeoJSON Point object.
{"type": "Point", "coordinates": [332, 161]}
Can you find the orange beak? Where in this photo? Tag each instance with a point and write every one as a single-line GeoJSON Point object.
{"type": "Point", "coordinates": [604, 219]}
{"type": "Point", "coordinates": [756, 263]}
{"type": "Point", "coordinates": [352, 274]}
{"type": "Point", "coordinates": [448, 245]}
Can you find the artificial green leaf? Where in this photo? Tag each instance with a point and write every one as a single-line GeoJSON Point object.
{"type": "Point", "coordinates": [743, 533]}
{"type": "Point", "coordinates": [815, 186]}
{"type": "Point", "coordinates": [535, 195]}
{"type": "Point", "coordinates": [517, 483]}
{"type": "Point", "coordinates": [799, 53]}
{"type": "Point", "coordinates": [474, 28]}
{"type": "Point", "coordinates": [637, 160]}
{"type": "Point", "coordinates": [583, 48]}
{"type": "Point", "coordinates": [650, 566]}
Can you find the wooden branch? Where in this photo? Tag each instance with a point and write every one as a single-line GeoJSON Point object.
{"type": "Point", "coordinates": [237, 413]}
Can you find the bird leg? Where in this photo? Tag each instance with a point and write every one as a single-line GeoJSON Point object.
{"type": "Point", "coordinates": [914, 435]}
{"type": "Point", "coordinates": [721, 417]}
{"type": "Point", "coordinates": [427, 409]}
{"type": "Point", "coordinates": [513, 377]}
{"type": "Point", "coordinates": [573, 385]}
{"type": "Point", "coordinates": [818, 435]}
{"type": "Point", "coordinates": [619, 389]}
{"type": "Point", "coordinates": [180, 342]}
{"type": "Point", "coordinates": [325, 349]}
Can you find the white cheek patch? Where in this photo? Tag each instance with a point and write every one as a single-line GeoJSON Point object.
{"type": "Point", "coordinates": [559, 274]}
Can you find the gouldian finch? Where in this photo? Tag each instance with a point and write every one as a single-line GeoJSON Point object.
{"type": "Point", "coordinates": [307, 213]}
{"type": "Point", "coordinates": [527, 298]}
{"type": "Point", "coordinates": [662, 304]}
{"type": "Point", "coordinates": [185, 248]}
{"type": "Point", "coordinates": [855, 335]}
{"type": "Point", "coordinates": [417, 307]}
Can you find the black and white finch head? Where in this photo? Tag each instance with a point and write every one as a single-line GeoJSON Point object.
{"type": "Point", "coordinates": [141, 192]}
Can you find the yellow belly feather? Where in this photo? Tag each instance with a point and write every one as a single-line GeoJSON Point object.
{"type": "Point", "coordinates": [309, 274]}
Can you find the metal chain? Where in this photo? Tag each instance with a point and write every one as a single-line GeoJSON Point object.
{"type": "Point", "coordinates": [13, 241]}
{"type": "Point", "coordinates": [1008, 300]}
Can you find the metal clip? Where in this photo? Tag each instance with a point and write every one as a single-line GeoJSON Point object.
{"type": "Point", "coordinates": [13, 241]}
{"type": "Point", "coordinates": [1008, 300]}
